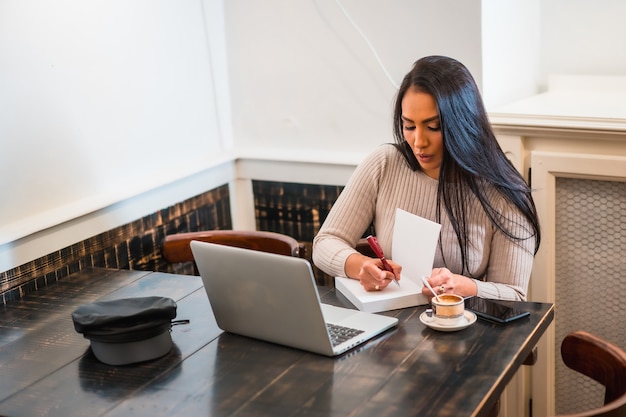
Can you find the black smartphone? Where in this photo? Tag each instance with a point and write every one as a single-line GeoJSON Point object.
{"type": "Point", "coordinates": [493, 311]}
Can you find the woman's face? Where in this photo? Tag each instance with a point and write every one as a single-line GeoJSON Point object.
{"type": "Point", "coordinates": [422, 130]}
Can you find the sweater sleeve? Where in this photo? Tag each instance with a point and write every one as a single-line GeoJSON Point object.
{"type": "Point", "coordinates": [350, 216]}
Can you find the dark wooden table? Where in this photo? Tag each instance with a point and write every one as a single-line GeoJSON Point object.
{"type": "Point", "coordinates": [47, 369]}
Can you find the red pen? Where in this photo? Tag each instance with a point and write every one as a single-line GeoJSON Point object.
{"type": "Point", "coordinates": [373, 242]}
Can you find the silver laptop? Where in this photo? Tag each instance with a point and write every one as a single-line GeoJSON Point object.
{"type": "Point", "coordinates": [274, 298]}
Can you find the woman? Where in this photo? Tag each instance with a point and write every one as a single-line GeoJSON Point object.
{"type": "Point", "coordinates": [446, 166]}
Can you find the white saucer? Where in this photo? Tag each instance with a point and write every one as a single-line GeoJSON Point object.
{"type": "Point", "coordinates": [469, 316]}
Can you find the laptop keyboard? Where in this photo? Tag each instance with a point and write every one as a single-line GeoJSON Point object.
{"type": "Point", "coordinates": [339, 334]}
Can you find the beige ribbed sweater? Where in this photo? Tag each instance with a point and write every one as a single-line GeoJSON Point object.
{"type": "Point", "coordinates": [384, 182]}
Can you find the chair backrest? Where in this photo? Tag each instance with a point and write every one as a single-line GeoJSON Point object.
{"type": "Point", "coordinates": [364, 248]}
{"type": "Point", "coordinates": [602, 361]}
{"type": "Point", "coordinates": [175, 248]}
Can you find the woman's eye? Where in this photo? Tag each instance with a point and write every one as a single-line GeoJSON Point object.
{"type": "Point", "coordinates": [434, 128]}
{"type": "Point", "coordinates": [409, 127]}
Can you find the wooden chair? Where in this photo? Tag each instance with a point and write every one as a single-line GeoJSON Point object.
{"type": "Point", "coordinates": [175, 248]}
{"type": "Point", "coordinates": [364, 248]}
{"type": "Point", "coordinates": [603, 362]}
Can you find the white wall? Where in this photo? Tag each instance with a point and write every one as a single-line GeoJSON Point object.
{"type": "Point", "coordinates": [511, 46]}
{"type": "Point", "coordinates": [94, 94]}
{"type": "Point", "coordinates": [304, 78]}
{"type": "Point", "coordinates": [103, 101]}
{"type": "Point", "coordinates": [581, 37]}
{"type": "Point", "coordinates": [100, 101]}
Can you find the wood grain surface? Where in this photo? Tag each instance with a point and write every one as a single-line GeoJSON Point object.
{"type": "Point", "coordinates": [47, 368]}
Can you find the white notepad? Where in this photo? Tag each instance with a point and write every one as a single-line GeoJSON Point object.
{"type": "Point", "coordinates": [413, 246]}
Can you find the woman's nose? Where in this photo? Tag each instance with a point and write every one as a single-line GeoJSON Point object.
{"type": "Point", "coordinates": [419, 139]}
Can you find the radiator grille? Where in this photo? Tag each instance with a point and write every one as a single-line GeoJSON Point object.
{"type": "Point", "coordinates": [590, 277]}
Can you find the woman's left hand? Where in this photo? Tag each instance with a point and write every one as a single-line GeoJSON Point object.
{"type": "Point", "coordinates": [443, 281]}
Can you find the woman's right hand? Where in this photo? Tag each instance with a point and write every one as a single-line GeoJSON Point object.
{"type": "Point", "coordinates": [370, 272]}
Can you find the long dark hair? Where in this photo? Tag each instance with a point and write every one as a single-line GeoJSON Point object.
{"type": "Point", "coordinates": [472, 159]}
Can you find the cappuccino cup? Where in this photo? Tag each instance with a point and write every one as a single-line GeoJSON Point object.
{"type": "Point", "coordinates": [449, 310]}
